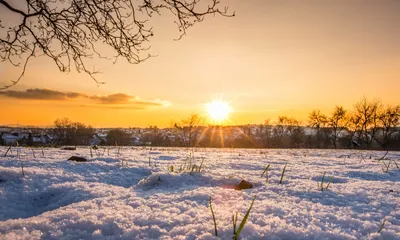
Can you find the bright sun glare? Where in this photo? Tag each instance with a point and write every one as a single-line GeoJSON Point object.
{"type": "Point", "coordinates": [218, 110]}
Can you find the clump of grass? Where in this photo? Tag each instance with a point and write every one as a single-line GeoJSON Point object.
{"type": "Point", "coordinates": [329, 183]}
{"type": "Point", "coordinates": [283, 173]}
{"type": "Point", "coordinates": [124, 162]}
{"type": "Point", "coordinates": [117, 153]}
{"type": "Point", "coordinates": [386, 169]}
{"type": "Point", "coordinates": [266, 169]}
{"type": "Point", "coordinates": [394, 161]}
{"type": "Point", "coordinates": [381, 158]}
{"type": "Point", "coordinates": [382, 226]}
{"type": "Point", "coordinates": [266, 173]}
{"type": "Point", "coordinates": [22, 168]}
{"type": "Point", "coordinates": [201, 165]}
{"type": "Point", "coordinates": [241, 226]}
{"type": "Point", "coordinates": [20, 160]}
{"type": "Point", "coordinates": [321, 186]}
{"type": "Point", "coordinates": [193, 167]}
{"type": "Point", "coordinates": [98, 154]}
{"type": "Point", "coordinates": [189, 166]}
{"type": "Point", "coordinates": [234, 222]}
{"type": "Point", "coordinates": [17, 145]}
{"type": "Point", "coordinates": [8, 149]}
{"type": "Point", "coordinates": [42, 153]}
{"type": "Point", "coordinates": [213, 216]}
{"type": "Point", "coordinates": [171, 168]}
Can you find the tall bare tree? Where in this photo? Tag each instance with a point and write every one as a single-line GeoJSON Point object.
{"type": "Point", "coordinates": [367, 112]}
{"type": "Point", "coordinates": [279, 131]}
{"type": "Point", "coordinates": [118, 137]}
{"type": "Point", "coordinates": [290, 128]}
{"type": "Point", "coordinates": [295, 132]}
{"type": "Point", "coordinates": [247, 136]}
{"type": "Point", "coordinates": [72, 133]}
{"type": "Point", "coordinates": [317, 120]}
{"type": "Point", "coordinates": [337, 122]}
{"type": "Point", "coordinates": [264, 133]}
{"type": "Point", "coordinates": [389, 119]}
{"type": "Point", "coordinates": [70, 32]}
{"type": "Point", "coordinates": [189, 130]}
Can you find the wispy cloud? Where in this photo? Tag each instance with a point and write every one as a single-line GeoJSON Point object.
{"type": "Point", "coordinates": [112, 101]}
{"type": "Point", "coordinates": [118, 98]}
{"type": "Point", "coordinates": [41, 94]}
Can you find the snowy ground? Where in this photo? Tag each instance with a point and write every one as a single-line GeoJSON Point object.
{"type": "Point", "coordinates": [101, 199]}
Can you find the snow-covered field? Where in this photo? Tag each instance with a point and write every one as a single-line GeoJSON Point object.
{"type": "Point", "coordinates": [101, 199]}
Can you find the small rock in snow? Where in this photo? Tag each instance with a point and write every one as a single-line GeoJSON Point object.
{"type": "Point", "coordinates": [244, 185]}
{"type": "Point", "coordinates": [68, 148]}
{"type": "Point", "coordinates": [77, 159]}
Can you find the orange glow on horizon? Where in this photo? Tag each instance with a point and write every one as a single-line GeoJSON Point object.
{"type": "Point", "coordinates": [275, 58]}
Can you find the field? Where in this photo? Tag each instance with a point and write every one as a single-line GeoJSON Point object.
{"type": "Point", "coordinates": [164, 193]}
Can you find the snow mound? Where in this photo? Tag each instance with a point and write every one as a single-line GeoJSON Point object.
{"type": "Point", "coordinates": [184, 181]}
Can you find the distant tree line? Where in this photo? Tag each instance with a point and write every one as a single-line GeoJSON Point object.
{"type": "Point", "coordinates": [368, 125]}
{"type": "Point", "coordinates": [67, 132]}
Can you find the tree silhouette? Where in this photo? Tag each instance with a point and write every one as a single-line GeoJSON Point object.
{"type": "Point", "coordinates": [338, 121]}
{"type": "Point", "coordinates": [72, 133]}
{"type": "Point", "coordinates": [318, 121]}
{"type": "Point", "coordinates": [118, 137]}
{"type": "Point", "coordinates": [368, 113]}
{"type": "Point", "coordinates": [189, 130]}
{"type": "Point", "coordinates": [70, 32]}
{"type": "Point", "coordinates": [389, 120]}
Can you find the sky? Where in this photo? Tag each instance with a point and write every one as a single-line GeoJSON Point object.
{"type": "Point", "coordinates": [273, 58]}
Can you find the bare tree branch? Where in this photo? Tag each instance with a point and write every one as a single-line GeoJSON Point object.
{"type": "Point", "coordinates": [71, 31]}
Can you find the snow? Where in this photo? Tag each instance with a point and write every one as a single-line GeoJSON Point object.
{"type": "Point", "coordinates": [107, 198]}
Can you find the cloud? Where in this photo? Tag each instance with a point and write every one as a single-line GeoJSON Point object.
{"type": "Point", "coordinates": [125, 101]}
{"type": "Point", "coordinates": [117, 98]}
{"type": "Point", "coordinates": [112, 101]}
{"type": "Point", "coordinates": [41, 94]}
{"type": "Point", "coordinates": [116, 107]}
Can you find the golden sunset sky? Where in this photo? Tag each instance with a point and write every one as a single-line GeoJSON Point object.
{"type": "Point", "coordinates": [273, 58]}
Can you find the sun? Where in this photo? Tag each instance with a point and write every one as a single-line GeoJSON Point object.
{"type": "Point", "coordinates": [218, 111]}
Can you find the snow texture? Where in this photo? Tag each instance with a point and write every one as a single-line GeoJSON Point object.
{"type": "Point", "coordinates": [131, 193]}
